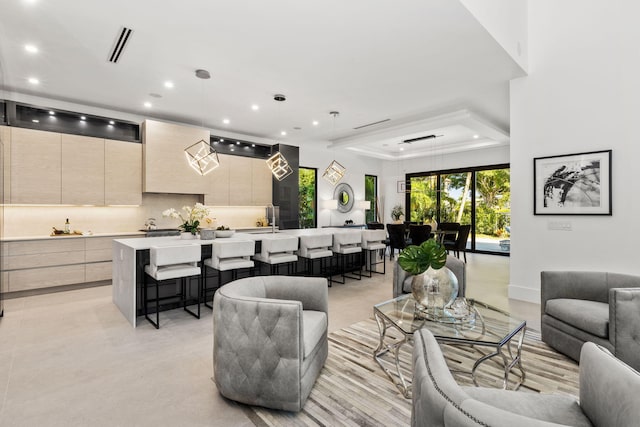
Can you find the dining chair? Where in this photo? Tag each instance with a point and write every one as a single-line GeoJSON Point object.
{"type": "Point", "coordinates": [449, 238]}
{"type": "Point", "coordinates": [419, 233]}
{"type": "Point", "coordinates": [397, 238]}
{"type": "Point", "coordinates": [460, 244]}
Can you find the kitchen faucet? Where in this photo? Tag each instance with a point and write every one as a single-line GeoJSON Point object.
{"type": "Point", "coordinates": [273, 218]}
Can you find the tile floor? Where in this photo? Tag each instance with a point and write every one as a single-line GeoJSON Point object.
{"type": "Point", "coordinates": [71, 359]}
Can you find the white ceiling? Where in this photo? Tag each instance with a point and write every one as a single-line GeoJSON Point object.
{"type": "Point", "coordinates": [426, 65]}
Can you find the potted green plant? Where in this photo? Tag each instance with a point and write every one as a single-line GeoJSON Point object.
{"type": "Point", "coordinates": [433, 286]}
{"type": "Point", "coordinates": [397, 213]}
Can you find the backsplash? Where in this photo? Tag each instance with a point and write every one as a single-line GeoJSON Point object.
{"type": "Point", "coordinates": [26, 221]}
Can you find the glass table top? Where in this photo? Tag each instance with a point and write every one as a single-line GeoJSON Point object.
{"type": "Point", "coordinates": [484, 325]}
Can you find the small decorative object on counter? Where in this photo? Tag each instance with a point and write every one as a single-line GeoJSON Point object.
{"type": "Point", "coordinates": [192, 217]}
{"type": "Point", "coordinates": [67, 226]}
{"type": "Point", "coordinates": [207, 234]}
{"type": "Point", "coordinates": [397, 213]}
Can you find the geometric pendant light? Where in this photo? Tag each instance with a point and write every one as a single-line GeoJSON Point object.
{"type": "Point", "coordinates": [335, 171]}
{"type": "Point", "coordinates": [202, 157]}
{"type": "Point", "coordinates": [279, 166]}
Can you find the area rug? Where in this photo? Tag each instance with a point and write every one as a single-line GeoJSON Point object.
{"type": "Point", "coordinates": [352, 389]}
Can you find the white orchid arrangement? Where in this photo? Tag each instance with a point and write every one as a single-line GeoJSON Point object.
{"type": "Point", "coordinates": [192, 217]}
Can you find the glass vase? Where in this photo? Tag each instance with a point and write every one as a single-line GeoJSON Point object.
{"type": "Point", "coordinates": [434, 290]}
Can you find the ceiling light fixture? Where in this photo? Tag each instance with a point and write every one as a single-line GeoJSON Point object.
{"type": "Point", "coordinates": [277, 163]}
{"type": "Point", "coordinates": [225, 121]}
{"type": "Point", "coordinates": [255, 107]}
{"type": "Point", "coordinates": [148, 104]}
{"type": "Point", "coordinates": [111, 122]}
{"type": "Point", "coordinates": [335, 171]}
{"type": "Point", "coordinates": [315, 123]}
{"type": "Point", "coordinates": [31, 48]}
{"type": "Point", "coordinates": [33, 81]}
{"type": "Point", "coordinates": [201, 156]}
{"type": "Point", "coordinates": [476, 136]}
{"type": "Point", "coordinates": [83, 118]}
{"type": "Point", "coordinates": [168, 84]}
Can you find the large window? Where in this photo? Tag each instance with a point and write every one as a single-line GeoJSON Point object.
{"type": "Point", "coordinates": [307, 183]}
{"type": "Point", "coordinates": [371, 195]}
{"type": "Point", "coordinates": [476, 196]}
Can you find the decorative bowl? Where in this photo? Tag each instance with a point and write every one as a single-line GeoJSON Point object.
{"type": "Point", "coordinates": [225, 233]}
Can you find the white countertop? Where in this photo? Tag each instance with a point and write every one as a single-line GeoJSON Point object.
{"type": "Point", "coordinates": [72, 236]}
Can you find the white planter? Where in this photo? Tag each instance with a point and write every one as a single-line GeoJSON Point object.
{"type": "Point", "coordinates": [185, 235]}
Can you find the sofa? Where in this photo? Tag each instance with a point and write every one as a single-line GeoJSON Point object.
{"type": "Point", "coordinates": [603, 308]}
{"type": "Point", "coordinates": [609, 392]}
{"type": "Point", "coordinates": [270, 339]}
{"type": "Point", "coordinates": [402, 279]}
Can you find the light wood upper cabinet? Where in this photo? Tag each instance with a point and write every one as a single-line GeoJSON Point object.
{"type": "Point", "coordinates": [122, 173]}
{"type": "Point", "coordinates": [218, 193]}
{"type": "Point", "coordinates": [36, 170]}
{"type": "Point", "coordinates": [262, 183]}
{"type": "Point", "coordinates": [165, 166]}
{"type": "Point", "coordinates": [239, 181]}
{"type": "Point", "coordinates": [82, 170]}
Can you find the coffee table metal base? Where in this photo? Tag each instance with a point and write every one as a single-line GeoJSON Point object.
{"type": "Point", "coordinates": [509, 362]}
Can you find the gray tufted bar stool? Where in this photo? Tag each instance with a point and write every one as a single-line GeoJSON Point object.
{"type": "Point", "coordinates": [270, 339]}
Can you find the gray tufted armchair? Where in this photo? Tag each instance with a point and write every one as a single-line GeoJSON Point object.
{"type": "Point", "coordinates": [270, 339]}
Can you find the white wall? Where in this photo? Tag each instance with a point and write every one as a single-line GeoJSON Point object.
{"type": "Point", "coordinates": [506, 21]}
{"type": "Point", "coordinates": [394, 171]}
{"type": "Point", "coordinates": [581, 94]}
{"type": "Point", "coordinates": [317, 156]}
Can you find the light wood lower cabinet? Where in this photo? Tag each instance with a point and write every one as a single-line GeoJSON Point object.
{"type": "Point", "coordinates": [37, 264]}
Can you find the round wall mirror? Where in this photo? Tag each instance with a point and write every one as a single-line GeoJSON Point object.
{"type": "Point", "coordinates": [344, 195]}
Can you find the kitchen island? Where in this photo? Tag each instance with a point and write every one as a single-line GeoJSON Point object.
{"type": "Point", "coordinates": [130, 256]}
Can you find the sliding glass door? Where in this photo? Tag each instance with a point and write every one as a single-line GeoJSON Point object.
{"type": "Point", "coordinates": [476, 196]}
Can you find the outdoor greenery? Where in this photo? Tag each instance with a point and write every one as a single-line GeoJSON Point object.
{"type": "Point", "coordinates": [370, 194]}
{"type": "Point", "coordinates": [493, 196]}
{"type": "Point", "coordinates": [307, 198]}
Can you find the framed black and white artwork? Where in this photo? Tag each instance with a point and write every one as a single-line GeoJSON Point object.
{"type": "Point", "coordinates": [572, 184]}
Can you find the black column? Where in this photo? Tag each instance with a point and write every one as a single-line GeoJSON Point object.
{"type": "Point", "coordinates": [285, 192]}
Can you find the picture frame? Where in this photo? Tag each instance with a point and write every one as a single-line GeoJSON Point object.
{"type": "Point", "coordinates": [573, 184]}
{"type": "Point", "coordinates": [402, 186]}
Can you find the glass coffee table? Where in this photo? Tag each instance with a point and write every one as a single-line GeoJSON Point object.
{"type": "Point", "coordinates": [482, 326]}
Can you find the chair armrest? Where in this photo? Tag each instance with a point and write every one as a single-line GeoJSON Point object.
{"type": "Point", "coordinates": [624, 324]}
{"type": "Point", "coordinates": [312, 292]}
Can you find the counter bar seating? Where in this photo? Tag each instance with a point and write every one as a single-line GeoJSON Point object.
{"type": "Point", "coordinates": [278, 251]}
{"type": "Point", "coordinates": [348, 250]}
{"type": "Point", "coordinates": [166, 264]}
{"type": "Point", "coordinates": [316, 248]}
{"type": "Point", "coordinates": [374, 241]}
{"type": "Point", "coordinates": [227, 255]}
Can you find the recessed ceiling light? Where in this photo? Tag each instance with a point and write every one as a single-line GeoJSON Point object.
{"type": "Point", "coordinates": [255, 107]}
{"type": "Point", "coordinates": [111, 122]}
{"type": "Point", "coordinates": [232, 149]}
{"type": "Point", "coordinates": [401, 148]}
{"type": "Point", "coordinates": [35, 121]}
{"type": "Point", "coordinates": [253, 145]}
{"type": "Point", "coordinates": [83, 118]}
{"type": "Point", "coordinates": [168, 84]}
{"type": "Point", "coordinates": [237, 142]}
{"type": "Point", "coordinates": [34, 81]}
{"type": "Point", "coordinates": [147, 104]}
{"type": "Point", "coordinates": [31, 48]}
{"type": "Point", "coordinates": [225, 121]}
{"type": "Point", "coordinates": [52, 113]}
{"type": "Point", "coordinates": [283, 133]}
{"type": "Point", "coordinates": [315, 123]}
{"type": "Point", "coordinates": [476, 136]}
{"type": "Point", "coordinates": [221, 139]}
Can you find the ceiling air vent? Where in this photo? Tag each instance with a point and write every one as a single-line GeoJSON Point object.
{"type": "Point", "coordinates": [121, 42]}
{"type": "Point", "coordinates": [371, 124]}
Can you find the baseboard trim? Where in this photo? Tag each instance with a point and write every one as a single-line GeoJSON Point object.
{"type": "Point", "coordinates": [54, 289]}
{"type": "Point", "coordinates": [524, 294]}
